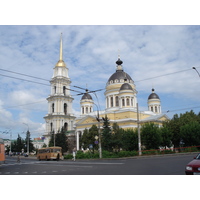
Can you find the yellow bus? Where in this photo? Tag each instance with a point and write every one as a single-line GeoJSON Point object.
{"type": "Point", "coordinates": [50, 153]}
{"type": "Point", "coordinates": [2, 151]}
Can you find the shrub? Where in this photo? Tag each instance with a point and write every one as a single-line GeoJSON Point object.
{"type": "Point", "coordinates": [127, 153]}
{"type": "Point", "coordinates": [68, 156]}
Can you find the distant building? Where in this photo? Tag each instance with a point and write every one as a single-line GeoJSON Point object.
{"type": "Point", "coordinates": [38, 143]}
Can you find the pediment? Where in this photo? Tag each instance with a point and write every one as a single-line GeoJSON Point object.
{"type": "Point", "coordinates": [86, 120]}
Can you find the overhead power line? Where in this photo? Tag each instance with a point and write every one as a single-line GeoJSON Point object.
{"type": "Point", "coordinates": [23, 79]}
{"type": "Point", "coordinates": [24, 74]}
{"type": "Point", "coordinates": [164, 75]}
{"type": "Point", "coordinates": [181, 109]}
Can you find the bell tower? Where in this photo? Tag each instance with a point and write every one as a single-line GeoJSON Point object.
{"type": "Point", "coordinates": [59, 101]}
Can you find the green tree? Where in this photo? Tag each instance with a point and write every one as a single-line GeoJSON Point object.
{"type": "Point", "coordinates": [178, 121]}
{"type": "Point", "coordinates": [85, 140]}
{"type": "Point", "coordinates": [28, 142]}
{"type": "Point", "coordinates": [51, 142]}
{"type": "Point", "coordinates": [190, 133]}
{"type": "Point", "coordinates": [106, 135]}
{"type": "Point", "coordinates": [18, 144]}
{"type": "Point", "coordinates": [93, 131]}
{"type": "Point", "coordinates": [88, 137]}
{"type": "Point", "coordinates": [116, 139]}
{"type": "Point", "coordinates": [130, 140]}
{"type": "Point", "coordinates": [166, 136]}
{"type": "Point", "coordinates": [150, 136]}
{"type": "Point", "coordinates": [61, 140]}
{"type": "Point", "coordinates": [174, 126]}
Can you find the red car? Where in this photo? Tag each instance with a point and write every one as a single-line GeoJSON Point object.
{"type": "Point", "coordinates": [193, 167]}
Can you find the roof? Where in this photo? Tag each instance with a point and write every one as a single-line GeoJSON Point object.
{"type": "Point", "coordinates": [153, 95]}
{"type": "Point", "coordinates": [86, 96]}
{"type": "Point", "coordinates": [119, 74]}
{"type": "Point", "coordinates": [126, 86]}
{"type": "Point", "coordinates": [154, 118]}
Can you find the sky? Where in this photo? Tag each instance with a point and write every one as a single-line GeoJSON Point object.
{"type": "Point", "coordinates": [158, 56]}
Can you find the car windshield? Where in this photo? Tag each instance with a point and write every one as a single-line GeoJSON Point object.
{"type": "Point", "coordinates": [198, 157]}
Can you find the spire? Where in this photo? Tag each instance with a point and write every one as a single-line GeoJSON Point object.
{"type": "Point", "coordinates": [61, 63]}
{"type": "Point", "coordinates": [61, 56]}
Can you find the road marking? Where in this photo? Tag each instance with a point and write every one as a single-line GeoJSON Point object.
{"type": "Point", "coordinates": [96, 163]}
{"type": "Point", "coordinates": [54, 171]}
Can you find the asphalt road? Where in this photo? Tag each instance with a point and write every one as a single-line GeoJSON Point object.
{"type": "Point", "coordinates": [152, 165]}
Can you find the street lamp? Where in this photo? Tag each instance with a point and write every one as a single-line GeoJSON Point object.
{"type": "Point", "coordinates": [27, 138]}
{"type": "Point", "coordinates": [139, 138]}
{"type": "Point", "coordinates": [196, 70]}
{"type": "Point", "coordinates": [99, 132]}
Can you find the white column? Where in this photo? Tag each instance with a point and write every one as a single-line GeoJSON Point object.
{"type": "Point", "coordinates": [77, 140]}
{"type": "Point", "coordinates": [114, 102]}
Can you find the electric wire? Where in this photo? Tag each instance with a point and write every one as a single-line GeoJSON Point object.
{"type": "Point", "coordinates": [81, 87]}
{"type": "Point", "coordinates": [23, 74]}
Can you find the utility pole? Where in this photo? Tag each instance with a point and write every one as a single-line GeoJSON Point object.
{"type": "Point", "coordinates": [27, 136]}
{"type": "Point", "coordinates": [138, 125]}
{"type": "Point", "coordinates": [99, 133]}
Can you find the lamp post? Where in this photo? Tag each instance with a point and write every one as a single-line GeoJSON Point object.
{"type": "Point", "coordinates": [196, 70]}
{"type": "Point", "coordinates": [139, 138]}
{"type": "Point", "coordinates": [99, 131]}
{"type": "Point", "coordinates": [27, 138]}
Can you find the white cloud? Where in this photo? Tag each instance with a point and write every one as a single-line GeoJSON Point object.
{"type": "Point", "coordinates": [90, 53]}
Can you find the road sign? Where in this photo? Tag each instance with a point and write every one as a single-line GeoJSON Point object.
{"type": "Point", "coordinates": [96, 137]}
{"type": "Point", "coordinates": [90, 146]}
{"type": "Point", "coordinates": [96, 142]}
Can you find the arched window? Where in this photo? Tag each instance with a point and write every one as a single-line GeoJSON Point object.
{"type": "Point", "coordinates": [117, 101]}
{"type": "Point", "coordinates": [65, 108]}
{"type": "Point", "coordinates": [86, 109]}
{"type": "Point", "coordinates": [82, 110]}
{"type": "Point", "coordinates": [127, 102]}
{"type": "Point", "coordinates": [52, 107]}
{"type": "Point", "coordinates": [152, 108]}
{"type": "Point", "coordinates": [156, 110]}
{"type": "Point", "coordinates": [65, 126]}
{"type": "Point", "coordinates": [131, 101]}
{"type": "Point", "coordinates": [51, 126]}
{"type": "Point", "coordinates": [123, 102]}
{"type": "Point", "coordinates": [64, 89]}
{"type": "Point", "coordinates": [111, 101]}
{"type": "Point", "coordinates": [55, 89]}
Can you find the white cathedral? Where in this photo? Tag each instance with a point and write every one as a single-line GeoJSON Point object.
{"type": "Point", "coordinates": [120, 100]}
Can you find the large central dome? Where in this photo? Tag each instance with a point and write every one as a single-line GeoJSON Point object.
{"type": "Point", "coordinates": [119, 75]}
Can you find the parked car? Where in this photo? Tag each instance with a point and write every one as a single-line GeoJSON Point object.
{"type": "Point", "coordinates": [25, 155]}
{"type": "Point", "coordinates": [193, 167]}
